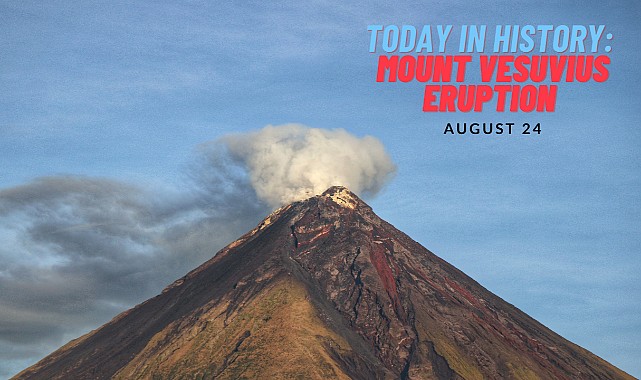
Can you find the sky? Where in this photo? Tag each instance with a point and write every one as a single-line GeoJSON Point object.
{"type": "Point", "coordinates": [114, 179]}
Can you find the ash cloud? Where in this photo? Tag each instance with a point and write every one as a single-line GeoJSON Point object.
{"type": "Point", "coordinates": [78, 250]}
{"type": "Point", "coordinates": [292, 162]}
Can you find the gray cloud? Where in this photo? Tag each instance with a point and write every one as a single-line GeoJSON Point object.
{"type": "Point", "coordinates": [78, 250]}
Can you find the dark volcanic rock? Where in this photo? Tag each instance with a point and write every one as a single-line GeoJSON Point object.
{"type": "Point", "coordinates": [324, 288]}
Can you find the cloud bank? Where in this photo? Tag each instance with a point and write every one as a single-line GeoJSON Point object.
{"type": "Point", "coordinates": [78, 250]}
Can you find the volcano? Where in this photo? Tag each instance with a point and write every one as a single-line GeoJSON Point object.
{"type": "Point", "coordinates": [323, 288]}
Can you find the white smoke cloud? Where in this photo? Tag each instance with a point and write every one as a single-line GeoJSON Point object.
{"type": "Point", "coordinates": [291, 162]}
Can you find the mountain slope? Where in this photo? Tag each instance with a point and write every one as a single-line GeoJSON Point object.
{"type": "Point", "coordinates": [324, 288]}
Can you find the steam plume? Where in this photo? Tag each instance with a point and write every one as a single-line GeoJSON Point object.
{"type": "Point", "coordinates": [291, 162]}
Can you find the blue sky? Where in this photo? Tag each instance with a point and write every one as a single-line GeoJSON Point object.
{"type": "Point", "coordinates": [119, 92]}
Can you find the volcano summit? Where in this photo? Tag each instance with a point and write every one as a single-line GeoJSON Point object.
{"type": "Point", "coordinates": [323, 288]}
